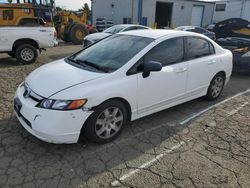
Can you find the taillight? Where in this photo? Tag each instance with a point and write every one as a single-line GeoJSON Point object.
{"type": "Point", "coordinates": [55, 34]}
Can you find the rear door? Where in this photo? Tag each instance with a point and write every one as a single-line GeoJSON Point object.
{"type": "Point", "coordinates": [202, 62]}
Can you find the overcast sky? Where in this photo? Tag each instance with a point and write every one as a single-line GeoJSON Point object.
{"type": "Point", "coordinates": [71, 4]}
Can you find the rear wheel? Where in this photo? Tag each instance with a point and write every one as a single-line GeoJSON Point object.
{"type": "Point", "coordinates": [77, 33]}
{"type": "Point", "coordinates": [26, 54]}
{"type": "Point", "coordinates": [65, 38]}
{"type": "Point", "coordinates": [106, 123]}
{"type": "Point", "coordinates": [216, 87]}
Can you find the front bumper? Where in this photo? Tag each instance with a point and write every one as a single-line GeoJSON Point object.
{"type": "Point", "coordinates": [52, 126]}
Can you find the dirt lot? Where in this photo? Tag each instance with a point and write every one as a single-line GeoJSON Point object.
{"type": "Point", "coordinates": [161, 150]}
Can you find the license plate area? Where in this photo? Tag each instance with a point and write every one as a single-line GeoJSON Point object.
{"type": "Point", "coordinates": [17, 106]}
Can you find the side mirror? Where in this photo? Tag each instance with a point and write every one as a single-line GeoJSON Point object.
{"type": "Point", "coordinates": [151, 66]}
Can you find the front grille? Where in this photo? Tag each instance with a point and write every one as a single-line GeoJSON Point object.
{"type": "Point", "coordinates": [28, 93]}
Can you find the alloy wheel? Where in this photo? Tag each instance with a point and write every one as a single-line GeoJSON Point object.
{"type": "Point", "coordinates": [109, 122]}
{"type": "Point", "coordinates": [27, 54]}
{"type": "Point", "coordinates": [217, 86]}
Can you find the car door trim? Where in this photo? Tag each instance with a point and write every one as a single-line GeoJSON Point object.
{"type": "Point", "coordinates": [170, 101]}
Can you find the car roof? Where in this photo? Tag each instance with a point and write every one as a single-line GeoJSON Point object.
{"type": "Point", "coordinates": [158, 33]}
{"type": "Point", "coordinates": [129, 25]}
{"type": "Point", "coordinates": [187, 27]}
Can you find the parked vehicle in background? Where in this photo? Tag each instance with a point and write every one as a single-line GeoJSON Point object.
{"type": "Point", "coordinates": [72, 27]}
{"type": "Point", "coordinates": [233, 42]}
{"type": "Point", "coordinates": [196, 29]}
{"type": "Point", "coordinates": [241, 60]}
{"type": "Point", "coordinates": [234, 27]}
{"type": "Point", "coordinates": [123, 78]}
{"type": "Point", "coordinates": [23, 43]}
{"type": "Point", "coordinates": [210, 27]}
{"type": "Point", "coordinates": [240, 48]}
{"type": "Point", "coordinates": [23, 12]}
{"type": "Point", "coordinates": [95, 37]}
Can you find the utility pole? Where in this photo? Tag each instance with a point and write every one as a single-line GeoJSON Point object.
{"type": "Point", "coordinates": [140, 5]}
{"type": "Point", "coordinates": [132, 11]}
{"type": "Point", "coordinates": [242, 8]}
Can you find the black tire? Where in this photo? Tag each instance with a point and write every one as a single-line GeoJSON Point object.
{"type": "Point", "coordinates": [29, 57]}
{"type": "Point", "coordinates": [12, 54]}
{"type": "Point", "coordinates": [77, 33]}
{"type": "Point", "coordinates": [90, 128]}
{"type": "Point", "coordinates": [65, 39]}
{"type": "Point", "coordinates": [216, 87]}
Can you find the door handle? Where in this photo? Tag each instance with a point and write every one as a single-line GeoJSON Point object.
{"type": "Point", "coordinates": [211, 62]}
{"type": "Point", "coordinates": [181, 70]}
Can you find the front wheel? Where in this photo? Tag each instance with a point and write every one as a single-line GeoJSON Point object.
{"type": "Point", "coordinates": [216, 87]}
{"type": "Point", "coordinates": [106, 123]}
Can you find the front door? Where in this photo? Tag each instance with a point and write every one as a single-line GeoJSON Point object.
{"type": "Point", "coordinates": [166, 86]}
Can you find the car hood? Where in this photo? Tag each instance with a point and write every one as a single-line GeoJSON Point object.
{"type": "Point", "coordinates": [57, 76]}
{"type": "Point", "coordinates": [97, 36]}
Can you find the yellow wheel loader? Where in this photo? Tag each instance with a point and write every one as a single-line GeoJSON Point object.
{"type": "Point", "coordinates": [71, 27]}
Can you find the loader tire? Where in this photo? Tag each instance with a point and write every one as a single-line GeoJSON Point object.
{"type": "Point", "coordinates": [65, 38]}
{"type": "Point", "coordinates": [77, 33]}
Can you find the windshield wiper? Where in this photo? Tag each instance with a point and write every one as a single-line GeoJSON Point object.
{"type": "Point", "coordinates": [73, 60]}
{"type": "Point", "coordinates": [97, 67]}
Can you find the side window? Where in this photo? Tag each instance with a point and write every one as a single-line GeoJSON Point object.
{"type": "Point", "coordinates": [212, 50]}
{"type": "Point", "coordinates": [168, 52]}
{"type": "Point", "coordinates": [197, 47]}
{"type": "Point", "coordinates": [8, 14]}
{"type": "Point", "coordinates": [131, 28]}
{"type": "Point", "coordinates": [138, 27]}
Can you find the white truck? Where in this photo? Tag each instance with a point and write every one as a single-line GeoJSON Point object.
{"type": "Point", "coordinates": [23, 43]}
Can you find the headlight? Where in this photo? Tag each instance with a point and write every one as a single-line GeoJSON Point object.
{"type": "Point", "coordinates": [62, 104]}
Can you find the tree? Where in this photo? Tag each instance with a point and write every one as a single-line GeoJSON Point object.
{"type": "Point", "coordinates": [87, 9]}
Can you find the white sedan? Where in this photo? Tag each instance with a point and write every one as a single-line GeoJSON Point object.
{"type": "Point", "coordinates": [96, 91]}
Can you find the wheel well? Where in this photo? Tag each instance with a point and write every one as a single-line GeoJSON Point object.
{"type": "Point", "coordinates": [223, 73]}
{"type": "Point", "coordinates": [123, 101]}
{"type": "Point", "coordinates": [25, 41]}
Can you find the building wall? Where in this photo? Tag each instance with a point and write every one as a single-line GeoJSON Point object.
{"type": "Point", "coordinates": [181, 13]}
{"type": "Point", "coordinates": [103, 9]}
{"type": "Point", "coordinates": [182, 16]}
{"type": "Point", "coordinates": [234, 9]}
{"type": "Point", "coordinates": [246, 11]}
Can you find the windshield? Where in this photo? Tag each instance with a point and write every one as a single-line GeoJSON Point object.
{"type": "Point", "coordinates": [112, 53]}
{"type": "Point", "coordinates": [115, 29]}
